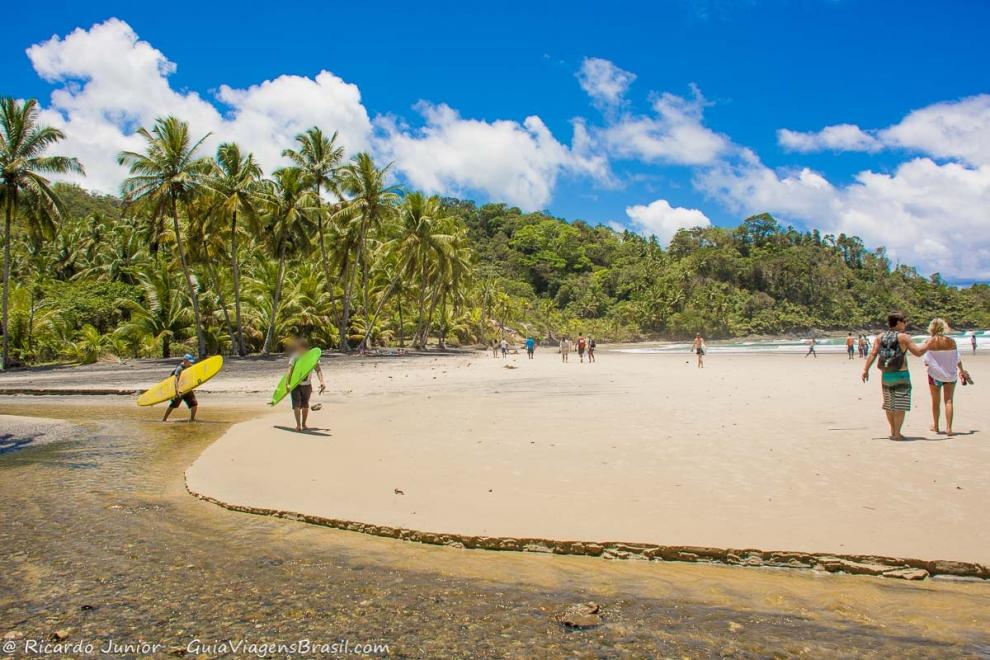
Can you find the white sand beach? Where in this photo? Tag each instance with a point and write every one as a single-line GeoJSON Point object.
{"type": "Point", "coordinates": [754, 451]}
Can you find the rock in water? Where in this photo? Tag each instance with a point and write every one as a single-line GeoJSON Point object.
{"type": "Point", "coordinates": [580, 616]}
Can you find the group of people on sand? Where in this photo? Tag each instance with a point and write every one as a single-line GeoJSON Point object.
{"type": "Point", "coordinates": [942, 361]}
{"type": "Point", "coordinates": [501, 348]}
{"type": "Point", "coordinates": [860, 344]}
{"type": "Point", "coordinates": [583, 346]}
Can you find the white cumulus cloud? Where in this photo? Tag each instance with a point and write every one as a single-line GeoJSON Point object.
{"type": "Point", "coordinates": [958, 130]}
{"type": "Point", "coordinates": [110, 82]}
{"type": "Point", "coordinates": [927, 214]}
{"type": "Point", "coordinates": [674, 134]}
{"type": "Point", "coordinates": [841, 137]}
{"type": "Point", "coordinates": [603, 81]}
{"type": "Point", "coordinates": [518, 163]}
{"type": "Point", "coordinates": [953, 129]}
{"type": "Point", "coordinates": [661, 219]}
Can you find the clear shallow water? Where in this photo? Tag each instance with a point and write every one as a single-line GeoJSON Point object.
{"type": "Point", "coordinates": [101, 541]}
{"type": "Point", "coordinates": [785, 346]}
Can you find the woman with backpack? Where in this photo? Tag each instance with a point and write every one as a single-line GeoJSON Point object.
{"type": "Point", "coordinates": [890, 352]}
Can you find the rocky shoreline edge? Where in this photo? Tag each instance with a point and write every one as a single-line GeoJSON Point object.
{"type": "Point", "coordinates": [879, 566]}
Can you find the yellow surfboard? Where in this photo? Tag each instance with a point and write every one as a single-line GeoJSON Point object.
{"type": "Point", "coordinates": [190, 378]}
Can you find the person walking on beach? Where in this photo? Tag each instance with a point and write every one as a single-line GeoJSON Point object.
{"type": "Point", "coordinates": [581, 345]}
{"type": "Point", "coordinates": [811, 349]}
{"type": "Point", "coordinates": [565, 348]}
{"type": "Point", "coordinates": [890, 352]}
{"type": "Point", "coordinates": [863, 352]}
{"type": "Point", "coordinates": [591, 349]}
{"type": "Point", "coordinates": [698, 346]}
{"type": "Point", "coordinates": [530, 347]}
{"type": "Point", "coordinates": [504, 346]}
{"type": "Point", "coordinates": [972, 340]}
{"type": "Point", "coordinates": [944, 370]}
{"type": "Point", "coordinates": [302, 392]}
{"type": "Point", "coordinates": [850, 346]}
{"type": "Point", "coordinates": [189, 397]}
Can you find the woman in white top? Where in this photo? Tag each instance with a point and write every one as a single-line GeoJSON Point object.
{"type": "Point", "coordinates": [944, 370]}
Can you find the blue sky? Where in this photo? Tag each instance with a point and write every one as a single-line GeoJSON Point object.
{"type": "Point", "coordinates": [679, 105]}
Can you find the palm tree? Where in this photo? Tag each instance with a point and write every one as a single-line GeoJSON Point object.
{"type": "Point", "coordinates": [168, 172]}
{"type": "Point", "coordinates": [319, 158]}
{"type": "Point", "coordinates": [23, 164]}
{"type": "Point", "coordinates": [451, 275]}
{"type": "Point", "coordinates": [290, 207]}
{"type": "Point", "coordinates": [371, 202]}
{"type": "Point", "coordinates": [422, 242]}
{"type": "Point", "coordinates": [234, 181]}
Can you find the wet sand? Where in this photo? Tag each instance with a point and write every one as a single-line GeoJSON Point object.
{"type": "Point", "coordinates": [102, 541]}
{"type": "Point", "coordinates": [20, 432]}
{"type": "Point", "coordinates": [754, 451]}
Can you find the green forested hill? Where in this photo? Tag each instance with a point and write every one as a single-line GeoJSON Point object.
{"type": "Point", "coordinates": [757, 278]}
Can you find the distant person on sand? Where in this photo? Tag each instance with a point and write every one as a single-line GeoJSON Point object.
{"type": "Point", "coordinates": [973, 340]}
{"type": "Point", "coordinates": [811, 349]}
{"type": "Point", "coordinates": [530, 347]}
{"type": "Point", "coordinates": [302, 392]}
{"type": "Point", "coordinates": [581, 346]}
{"type": "Point", "coordinates": [944, 370]}
{"type": "Point", "coordinates": [591, 349]}
{"type": "Point", "coordinates": [565, 348]}
{"type": "Point", "coordinates": [504, 345]}
{"type": "Point", "coordinates": [850, 346]}
{"type": "Point", "coordinates": [494, 346]}
{"type": "Point", "coordinates": [189, 397]}
{"type": "Point", "coordinates": [890, 351]}
{"type": "Point", "coordinates": [863, 346]}
{"type": "Point", "coordinates": [698, 346]}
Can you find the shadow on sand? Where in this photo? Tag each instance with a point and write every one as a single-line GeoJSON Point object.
{"type": "Point", "coordinates": [309, 431]}
{"type": "Point", "coordinates": [940, 437]}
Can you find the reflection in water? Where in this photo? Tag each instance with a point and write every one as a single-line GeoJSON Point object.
{"type": "Point", "coordinates": [101, 540]}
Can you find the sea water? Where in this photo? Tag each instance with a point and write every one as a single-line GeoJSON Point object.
{"type": "Point", "coordinates": [823, 345]}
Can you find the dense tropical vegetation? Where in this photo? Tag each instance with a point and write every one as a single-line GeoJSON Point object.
{"type": "Point", "coordinates": [205, 253]}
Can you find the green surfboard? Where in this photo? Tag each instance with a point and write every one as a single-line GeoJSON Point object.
{"type": "Point", "coordinates": [306, 363]}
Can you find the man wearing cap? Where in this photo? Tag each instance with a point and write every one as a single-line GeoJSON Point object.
{"type": "Point", "coordinates": [189, 397]}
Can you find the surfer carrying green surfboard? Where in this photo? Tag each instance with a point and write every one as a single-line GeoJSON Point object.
{"type": "Point", "coordinates": [189, 397]}
{"type": "Point", "coordinates": [301, 393]}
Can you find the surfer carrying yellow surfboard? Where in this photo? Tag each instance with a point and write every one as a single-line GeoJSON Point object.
{"type": "Point", "coordinates": [189, 397]}
{"type": "Point", "coordinates": [301, 393]}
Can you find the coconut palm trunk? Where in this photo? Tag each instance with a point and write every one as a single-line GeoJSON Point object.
{"type": "Point", "coordinates": [276, 298]}
{"type": "Point", "coordinates": [378, 310]}
{"type": "Point", "coordinates": [345, 313]}
{"type": "Point", "coordinates": [223, 305]}
{"type": "Point", "coordinates": [427, 326]}
{"type": "Point", "coordinates": [235, 271]}
{"type": "Point", "coordinates": [364, 280]}
{"type": "Point", "coordinates": [324, 257]}
{"type": "Point", "coordinates": [187, 274]}
{"type": "Point", "coordinates": [7, 222]}
{"type": "Point", "coordinates": [418, 337]}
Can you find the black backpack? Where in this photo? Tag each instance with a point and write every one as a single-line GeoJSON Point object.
{"type": "Point", "coordinates": [890, 356]}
